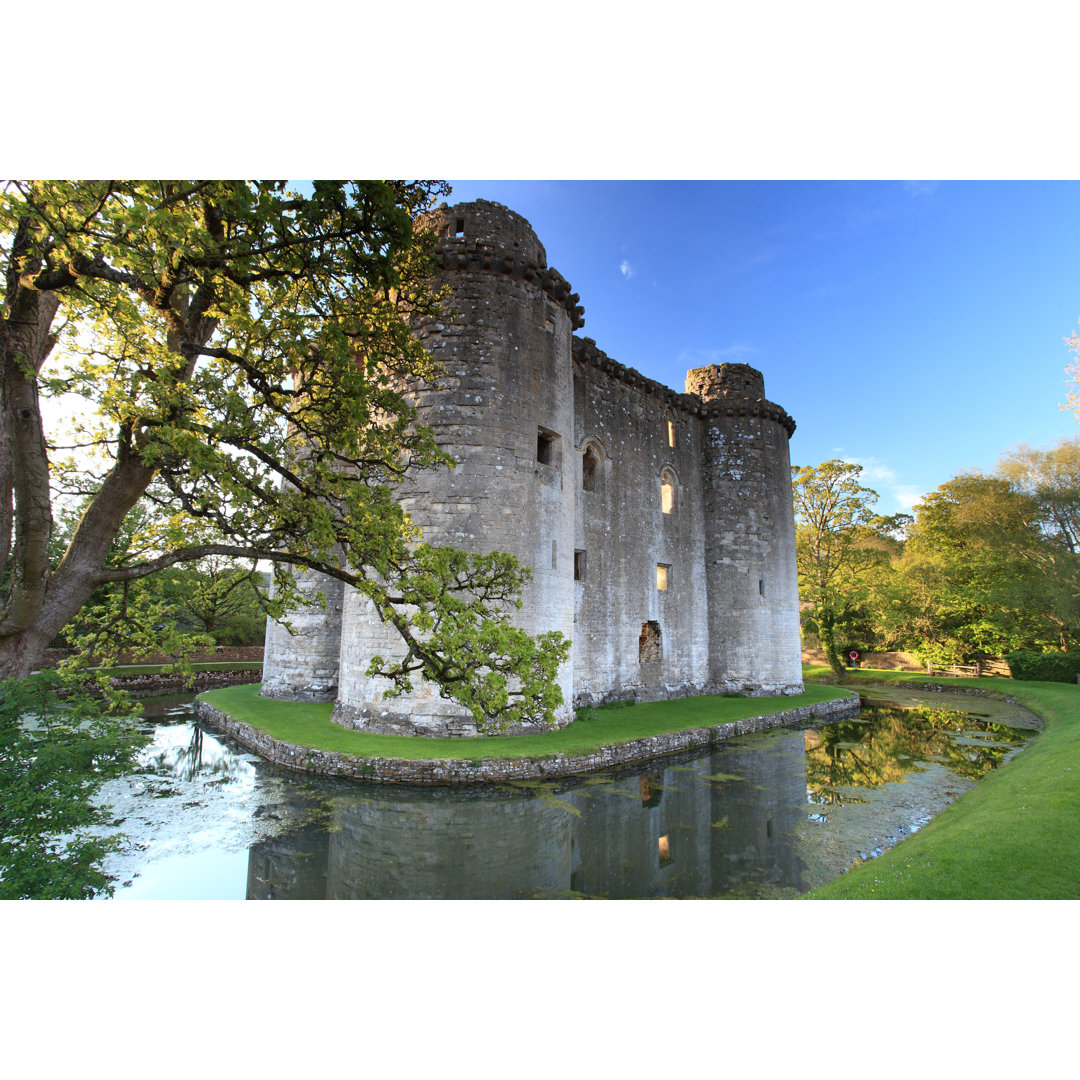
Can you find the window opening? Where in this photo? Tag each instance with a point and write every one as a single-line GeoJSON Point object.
{"type": "Point", "coordinates": [590, 465]}
{"type": "Point", "coordinates": [761, 587]}
{"type": "Point", "coordinates": [667, 493]}
{"type": "Point", "coordinates": [651, 788]}
{"type": "Point", "coordinates": [459, 229]}
{"type": "Point", "coordinates": [669, 428]}
{"type": "Point", "coordinates": [650, 646]}
{"type": "Point", "coordinates": [663, 575]}
{"type": "Point", "coordinates": [579, 565]}
{"type": "Point", "coordinates": [664, 851]}
{"type": "Point", "coordinates": [545, 448]}
{"type": "Point", "coordinates": [554, 554]}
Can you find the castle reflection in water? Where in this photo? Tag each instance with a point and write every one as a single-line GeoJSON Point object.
{"type": "Point", "coordinates": [725, 821]}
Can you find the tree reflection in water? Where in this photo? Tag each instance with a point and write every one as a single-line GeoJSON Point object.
{"type": "Point", "coordinates": [885, 744]}
{"type": "Point", "coordinates": [190, 759]}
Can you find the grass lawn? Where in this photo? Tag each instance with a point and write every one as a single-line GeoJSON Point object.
{"type": "Point", "coordinates": [308, 724]}
{"type": "Point", "coordinates": [1014, 836]}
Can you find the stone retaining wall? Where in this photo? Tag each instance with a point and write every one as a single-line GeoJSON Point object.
{"type": "Point", "coordinates": [140, 686]}
{"type": "Point", "coordinates": [436, 771]}
{"type": "Point", "coordinates": [221, 654]}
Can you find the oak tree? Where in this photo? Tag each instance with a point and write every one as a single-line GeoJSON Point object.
{"type": "Point", "coordinates": [242, 349]}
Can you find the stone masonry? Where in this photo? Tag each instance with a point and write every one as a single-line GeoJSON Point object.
{"type": "Point", "coordinates": [659, 526]}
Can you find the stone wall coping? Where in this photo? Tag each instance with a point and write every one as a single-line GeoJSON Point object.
{"type": "Point", "coordinates": [438, 771]}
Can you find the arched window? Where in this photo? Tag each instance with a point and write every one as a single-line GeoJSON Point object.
{"type": "Point", "coordinates": [669, 428]}
{"type": "Point", "coordinates": [593, 469]}
{"type": "Point", "coordinates": [667, 491]}
{"type": "Point", "coordinates": [590, 469]}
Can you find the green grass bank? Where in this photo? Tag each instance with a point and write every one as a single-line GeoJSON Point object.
{"type": "Point", "coordinates": [1014, 836]}
{"type": "Point", "coordinates": [308, 724]}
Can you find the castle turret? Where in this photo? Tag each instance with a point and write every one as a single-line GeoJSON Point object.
{"type": "Point", "coordinates": [504, 410]}
{"type": "Point", "coordinates": [302, 665]}
{"type": "Point", "coordinates": [753, 597]}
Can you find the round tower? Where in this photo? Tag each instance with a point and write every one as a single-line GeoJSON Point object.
{"type": "Point", "coordinates": [302, 665]}
{"type": "Point", "coordinates": [504, 410]}
{"type": "Point", "coordinates": [753, 594]}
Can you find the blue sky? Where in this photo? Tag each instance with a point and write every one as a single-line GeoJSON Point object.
{"type": "Point", "coordinates": [915, 327]}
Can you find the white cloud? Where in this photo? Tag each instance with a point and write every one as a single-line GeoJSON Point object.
{"type": "Point", "coordinates": [894, 496]}
{"type": "Point", "coordinates": [920, 187]}
{"type": "Point", "coordinates": [907, 498]}
{"type": "Point", "coordinates": [626, 269]}
{"type": "Point", "coordinates": [873, 471]}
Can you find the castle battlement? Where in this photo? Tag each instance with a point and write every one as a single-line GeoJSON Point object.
{"type": "Point", "coordinates": [717, 390]}
{"type": "Point", "coordinates": [493, 239]}
{"type": "Point", "coordinates": [658, 525]}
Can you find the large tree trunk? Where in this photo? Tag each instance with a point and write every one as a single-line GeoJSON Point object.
{"type": "Point", "coordinates": [38, 602]}
{"type": "Point", "coordinates": [22, 654]}
{"type": "Point", "coordinates": [39, 599]}
{"type": "Point", "coordinates": [25, 502]}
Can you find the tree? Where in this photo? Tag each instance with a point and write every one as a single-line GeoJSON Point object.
{"type": "Point", "coordinates": [1050, 479]}
{"type": "Point", "coordinates": [838, 543]}
{"type": "Point", "coordinates": [244, 349]}
{"type": "Point", "coordinates": [972, 582]}
{"type": "Point", "coordinates": [217, 597]}
{"type": "Point", "coordinates": [59, 742]}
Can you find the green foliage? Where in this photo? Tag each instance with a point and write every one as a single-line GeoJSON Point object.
{"type": "Point", "coordinates": [60, 740]}
{"type": "Point", "coordinates": [1044, 667]}
{"type": "Point", "coordinates": [978, 576]}
{"type": "Point", "coordinates": [842, 547]}
{"type": "Point", "coordinates": [244, 351]}
{"type": "Point", "coordinates": [216, 597]}
{"type": "Point", "coordinates": [500, 673]}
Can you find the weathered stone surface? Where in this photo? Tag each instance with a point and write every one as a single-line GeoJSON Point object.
{"type": "Point", "coordinates": [142, 686]}
{"type": "Point", "coordinates": [217, 655]}
{"type": "Point", "coordinates": [658, 526]}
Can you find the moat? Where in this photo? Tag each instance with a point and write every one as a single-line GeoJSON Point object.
{"type": "Point", "coordinates": [769, 815]}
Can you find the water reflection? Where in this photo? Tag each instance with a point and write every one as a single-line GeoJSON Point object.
{"type": "Point", "coordinates": [767, 815]}
{"type": "Point", "coordinates": [883, 744]}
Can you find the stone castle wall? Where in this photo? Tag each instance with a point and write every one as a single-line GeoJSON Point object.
{"type": "Point", "coordinates": [625, 535]}
{"type": "Point", "coordinates": [658, 525]}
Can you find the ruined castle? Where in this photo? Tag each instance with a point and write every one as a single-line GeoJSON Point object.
{"type": "Point", "coordinates": [658, 526]}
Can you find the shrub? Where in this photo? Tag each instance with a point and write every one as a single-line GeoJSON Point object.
{"type": "Point", "coordinates": [60, 740]}
{"type": "Point", "coordinates": [1044, 667]}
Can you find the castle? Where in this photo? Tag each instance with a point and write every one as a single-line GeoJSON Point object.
{"type": "Point", "coordinates": [658, 526]}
